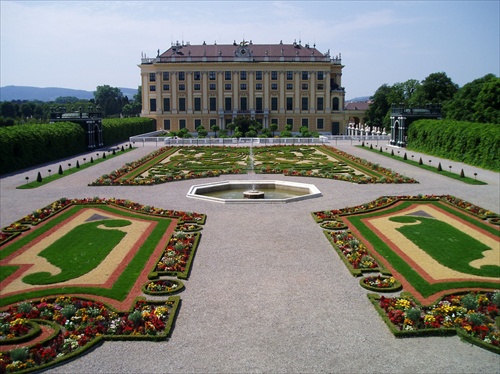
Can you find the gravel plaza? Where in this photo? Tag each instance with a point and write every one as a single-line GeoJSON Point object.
{"type": "Point", "coordinates": [267, 293]}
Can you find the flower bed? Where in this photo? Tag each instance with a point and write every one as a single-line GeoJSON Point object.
{"type": "Point", "coordinates": [353, 252]}
{"type": "Point", "coordinates": [7, 236]}
{"type": "Point", "coordinates": [188, 227]}
{"type": "Point", "coordinates": [380, 283]}
{"type": "Point", "coordinates": [471, 315]}
{"type": "Point", "coordinates": [177, 257]}
{"type": "Point", "coordinates": [16, 227]}
{"type": "Point", "coordinates": [385, 201]}
{"type": "Point", "coordinates": [333, 225]}
{"type": "Point", "coordinates": [83, 324]}
{"type": "Point", "coordinates": [163, 287]}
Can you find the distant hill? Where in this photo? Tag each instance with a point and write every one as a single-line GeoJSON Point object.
{"type": "Point", "coordinates": [9, 93]}
{"type": "Point", "coordinates": [359, 99]}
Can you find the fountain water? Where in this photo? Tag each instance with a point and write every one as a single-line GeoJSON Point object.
{"type": "Point", "coordinates": [253, 193]}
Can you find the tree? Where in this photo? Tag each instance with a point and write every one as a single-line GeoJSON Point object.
{"type": "Point", "coordinates": [110, 99]}
{"type": "Point", "coordinates": [202, 132]}
{"type": "Point", "coordinates": [461, 108]}
{"type": "Point", "coordinates": [215, 128]}
{"type": "Point", "coordinates": [438, 88]}
{"type": "Point", "coordinates": [487, 106]}
{"type": "Point", "coordinates": [381, 103]}
{"type": "Point", "coordinates": [273, 127]}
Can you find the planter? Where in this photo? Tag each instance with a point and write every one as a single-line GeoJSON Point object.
{"type": "Point", "coordinates": [163, 287]}
{"type": "Point", "coordinates": [16, 227]}
{"type": "Point", "coordinates": [380, 283]}
{"type": "Point", "coordinates": [333, 225]}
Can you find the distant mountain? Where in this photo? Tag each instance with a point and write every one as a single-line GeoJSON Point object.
{"type": "Point", "coordinates": [9, 93]}
{"type": "Point", "coordinates": [359, 99]}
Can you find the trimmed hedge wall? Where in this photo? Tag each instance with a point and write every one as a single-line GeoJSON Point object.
{"type": "Point", "coordinates": [472, 143]}
{"type": "Point", "coordinates": [117, 130]}
{"type": "Point", "coordinates": [23, 146]}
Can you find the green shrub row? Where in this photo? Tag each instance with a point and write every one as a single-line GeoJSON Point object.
{"type": "Point", "coordinates": [28, 145]}
{"type": "Point", "coordinates": [24, 146]}
{"type": "Point", "coordinates": [472, 143]}
{"type": "Point", "coordinates": [117, 130]}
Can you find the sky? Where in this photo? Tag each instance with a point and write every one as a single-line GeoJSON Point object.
{"type": "Point", "coordinates": [85, 44]}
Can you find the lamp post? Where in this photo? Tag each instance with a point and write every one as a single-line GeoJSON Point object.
{"type": "Point", "coordinates": [49, 172]}
{"type": "Point", "coordinates": [27, 179]}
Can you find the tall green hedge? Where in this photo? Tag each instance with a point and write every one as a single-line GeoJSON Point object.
{"type": "Point", "coordinates": [475, 144]}
{"type": "Point", "coordinates": [116, 130]}
{"type": "Point", "coordinates": [23, 146]}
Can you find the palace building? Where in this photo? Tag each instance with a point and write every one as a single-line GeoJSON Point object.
{"type": "Point", "coordinates": [204, 85]}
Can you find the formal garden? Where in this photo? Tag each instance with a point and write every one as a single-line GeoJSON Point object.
{"type": "Point", "coordinates": [441, 251]}
{"type": "Point", "coordinates": [80, 271]}
{"type": "Point", "coordinates": [170, 164]}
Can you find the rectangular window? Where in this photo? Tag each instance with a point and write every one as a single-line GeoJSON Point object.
{"type": "Point", "coordinates": [212, 87]}
{"type": "Point", "coordinates": [274, 86]}
{"type": "Point", "coordinates": [166, 87]}
{"type": "Point", "coordinates": [211, 75]}
{"type": "Point", "coordinates": [305, 103]}
{"type": "Point", "coordinates": [227, 86]}
{"type": "Point", "coordinates": [243, 103]}
{"type": "Point", "coordinates": [320, 75]}
{"type": "Point", "coordinates": [213, 104]}
{"type": "Point", "coordinates": [197, 104]}
{"type": "Point", "coordinates": [258, 86]}
{"type": "Point", "coordinates": [274, 103]}
{"type": "Point", "coordinates": [182, 104]}
{"type": "Point", "coordinates": [305, 75]}
{"type": "Point", "coordinates": [243, 86]}
{"type": "Point", "coordinates": [289, 121]}
{"type": "Point", "coordinates": [182, 87]}
{"type": "Point", "coordinates": [320, 124]}
{"type": "Point", "coordinates": [274, 121]}
{"type": "Point", "coordinates": [197, 75]}
{"type": "Point", "coordinates": [152, 77]}
{"type": "Point", "coordinates": [258, 75]}
{"type": "Point", "coordinates": [289, 103]}
{"type": "Point", "coordinates": [320, 86]}
{"type": "Point", "coordinates": [152, 87]}
{"type": "Point", "coordinates": [166, 124]}
{"type": "Point", "coordinates": [197, 123]}
{"type": "Point", "coordinates": [274, 75]}
{"type": "Point", "coordinates": [212, 122]}
{"type": "Point", "coordinates": [289, 75]}
{"type": "Point", "coordinates": [166, 76]}
{"type": "Point", "coordinates": [319, 104]}
{"type": "Point", "coordinates": [305, 122]}
{"type": "Point", "coordinates": [305, 86]}
{"type": "Point", "coordinates": [289, 86]}
{"type": "Point", "coordinates": [166, 104]}
{"type": "Point", "coordinates": [152, 105]}
{"type": "Point", "coordinates": [228, 106]}
{"type": "Point", "coordinates": [182, 124]}
{"type": "Point", "coordinates": [258, 104]}
{"type": "Point", "coordinates": [197, 87]}
{"type": "Point", "coordinates": [227, 75]}
{"type": "Point", "coordinates": [243, 75]}
{"type": "Point", "coordinates": [182, 75]}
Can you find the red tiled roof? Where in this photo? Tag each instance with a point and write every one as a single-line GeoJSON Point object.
{"type": "Point", "coordinates": [257, 51]}
{"type": "Point", "coordinates": [362, 105]}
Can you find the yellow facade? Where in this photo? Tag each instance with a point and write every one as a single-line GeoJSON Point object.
{"type": "Point", "coordinates": [192, 85]}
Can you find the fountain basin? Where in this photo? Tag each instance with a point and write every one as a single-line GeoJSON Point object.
{"type": "Point", "coordinates": [264, 191]}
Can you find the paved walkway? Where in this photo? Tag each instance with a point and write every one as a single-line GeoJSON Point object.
{"type": "Point", "coordinates": [267, 293]}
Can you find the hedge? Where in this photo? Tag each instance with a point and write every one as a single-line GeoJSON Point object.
{"type": "Point", "coordinates": [472, 143]}
{"type": "Point", "coordinates": [24, 146]}
{"type": "Point", "coordinates": [117, 130]}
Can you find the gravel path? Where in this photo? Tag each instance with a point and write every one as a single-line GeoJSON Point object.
{"type": "Point", "coordinates": [267, 293]}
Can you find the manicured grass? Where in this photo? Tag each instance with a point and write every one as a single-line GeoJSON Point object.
{"type": "Point", "coordinates": [446, 244]}
{"type": "Point", "coordinates": [429, 167]}
{"type": "Point", "coordinates": [6, 271]}
{"type": "Point", "coordinates": [79, 251]}
{"type": "Point", "coordinates": [121, 287]}
{"type": "Point", "coordinates": [54, 175]}
{"type": "Point", "coordinates": [412, 276]}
